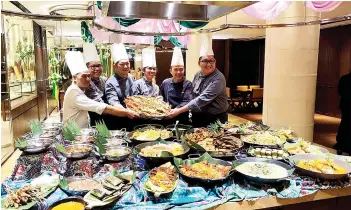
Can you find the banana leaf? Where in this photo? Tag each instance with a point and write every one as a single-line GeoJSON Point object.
{"type": "Point", "coordinates": [158, 190]}
{"type": "Point", "coordinates": [204, 157]}
{"type": "Point", "coordinates": [99, 142]}
{"type": "Point", "coordinates": [63, 183]}
{"type": "Point", "coordinates": [67, 134]}
{"type": "Point", "coordinates": [196, 146]}
{"type": "Point", "coordinates": [102, 129]}
{"type": "Point", "coordinates": [21, 143]}
{"type": "Point", "coordinates": [60, 148]}
{"type": "Point", "coordinates": [35, 127]}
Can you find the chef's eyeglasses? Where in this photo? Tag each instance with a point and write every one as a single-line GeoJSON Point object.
{"type": "Point", "coordinates": [206, 62]}
{"type": "Point", "coordinates": [123, 64]}
{"type": "Point", "coordinates": [96, 67]}
{"type": "Point", "coordinates": [151, 68]}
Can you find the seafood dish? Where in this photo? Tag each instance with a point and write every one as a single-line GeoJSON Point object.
{"type": "Point", "coordinates": [221, 143]}
{"type": "Point", "coordinates": [326, 166]}
{"type": "Point", "coordinates": [199, 134]}
{"type": "Point", "coordinates": [303, 147]}
{"type": "Point", "coordinates": [262, 170]}
{"type": "Point", "coordinates": [162, 179]}
{"type": "Point", "coordinates": [22, 197]}
{"type": "Point", "coordinates": [147, 106]}
{"type": "Point", "coordinates": [268, 153]}
{"type": "Point", "coordinates": [205, 170]}
{"type": "Point", "coordinates": [151, 134]}
{"type": "Point", "coordinates": [156, 150]}
{"type": "Point", "coordinates": [262, 138]}
{"type": "Point", "coordinates": [78, 150]}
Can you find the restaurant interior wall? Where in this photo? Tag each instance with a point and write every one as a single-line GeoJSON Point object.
{"type": "Point", "coordinates": [334, 61]}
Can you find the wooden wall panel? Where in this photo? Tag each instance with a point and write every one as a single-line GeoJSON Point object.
{"type": "Point", "coordinates": [218, 47]}
{"type": "Point", "coordinates": [20, 124]}
{"type": "Point", "coordinates": [334, 60]}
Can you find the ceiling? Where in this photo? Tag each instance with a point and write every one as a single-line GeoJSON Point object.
{"type": "Point", "coordinates": [71, 29]}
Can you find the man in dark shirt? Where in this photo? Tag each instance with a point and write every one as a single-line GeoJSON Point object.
{"type": "Point", "coordinates": [210, 99]}
{"type": "Point", "coordinates": [343, 138]}
{"type": "Point", "coordinates": [119, 86]}
{"type": "Point", "coordinates": [177, 91]}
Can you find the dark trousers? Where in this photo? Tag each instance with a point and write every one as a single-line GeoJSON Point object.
{"type": "Point", "coordinates": [202, 119]}
{"type": "Point", "coordinates": [343, 137]}
{"type": "Point", "coordinates": [117, 123]}
{"type": "Point", "coordinates": [95, 117]}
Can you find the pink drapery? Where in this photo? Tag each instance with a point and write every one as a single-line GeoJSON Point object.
{"type": "Point", "coordinates": [268, 10]}
{"type": "Point", "coordinates": [323, 6]}
{"type": "Point", "coordinates": [144, 25]}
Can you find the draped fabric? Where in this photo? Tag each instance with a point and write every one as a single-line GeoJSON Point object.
{"type": "Point", "coordinates": [86, 33]}
{"type": "Point", "coordinates": [323, 6]}
{"type": "Point", "coordinates": [266, 10]}
{"type": "Point", "coordinates": [126, 21]}
{"type": "Point", "coordinates": [192, 24]}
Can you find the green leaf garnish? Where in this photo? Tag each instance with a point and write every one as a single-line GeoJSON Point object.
{"type": "Point", "coordinates": [60, 148]}
{"type": "Point", "coordinates": [21, 143]}
{"type": "Point", "coordinates": [35, 127]}
{"type": "Point", "coordinates": [102, 129]}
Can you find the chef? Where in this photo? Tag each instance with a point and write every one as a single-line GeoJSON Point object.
{"type": "Point", "coordinates": [210, 98]}
{"type": "Point", "coordinates": [119, 86]}
{"type": "Point", "coordinates": [177, 91]}
{"type": "Point", "coordinates": [96, 87]}
{"type": "Point", "coordinates": [145, 85]}
{"type": "Point", "coordinates": [76, 104]}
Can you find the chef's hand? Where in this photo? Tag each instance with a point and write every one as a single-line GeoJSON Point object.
{"type": "Point", "coordinates": [173, 113]}
{"type": "Point", "coordinates": [131, 114]}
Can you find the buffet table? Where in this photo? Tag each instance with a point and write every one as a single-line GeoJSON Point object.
{"type": "Point", "coordinates": [300, 192]}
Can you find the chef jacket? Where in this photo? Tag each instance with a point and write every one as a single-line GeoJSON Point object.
{"type": "Point", "coordinates": [145, 88]}
{"type": "Point", "coordinates": [118, 88]}
{"type": "Point", "coordinates": [96, 89]}
{"type": "Point", "coordinates": [76, 106]}
{"type": "Point", "coordinates": [177, 94]}
{"type": "Point", "coordinates": [209, 93]}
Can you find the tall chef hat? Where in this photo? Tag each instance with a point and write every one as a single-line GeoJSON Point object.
{"type": "Point", "coordinates": [206, 45]}
{"type": "Point", "coordinates": [118, 52]}
{"type": "Point", "coordinates": [90, 53]}
{"type": "Point", "coordinates": [149, 57]}
{"type": "Point", "coordinates": [75, 62]}
{"type": "Point", "coordinates": [177, 57]}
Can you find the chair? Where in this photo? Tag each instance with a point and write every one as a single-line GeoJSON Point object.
{"type": "Point", "coordinates": [257, 98]}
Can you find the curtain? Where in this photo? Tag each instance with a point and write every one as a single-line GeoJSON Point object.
{"type": "Point", "coordinates": [126, 22]}
{"type": "Point", "coordinates": [192, 24]}
{"type": "Point", "coordinates": [86, 33]}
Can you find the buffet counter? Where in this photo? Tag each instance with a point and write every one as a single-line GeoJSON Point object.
{"type": "Point", "coordinates": [301, 193]}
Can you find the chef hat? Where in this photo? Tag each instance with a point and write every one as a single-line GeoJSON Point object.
{"type": "Point", "coordinates": [75, 62]}
{"type": "Point", "coordinates": [118, 52]}
{"type": "Point", "coordinates": [149, 57]}
{"type": "Point", "coordinates": [206, 45]}
{"type": "Point", "coordinates": [90, 53]}
{"type": "Point", "coordinates": [177, 57]}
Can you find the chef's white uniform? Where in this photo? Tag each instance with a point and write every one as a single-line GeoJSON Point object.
{"type": "Point", "coordinates": [76, 106]}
